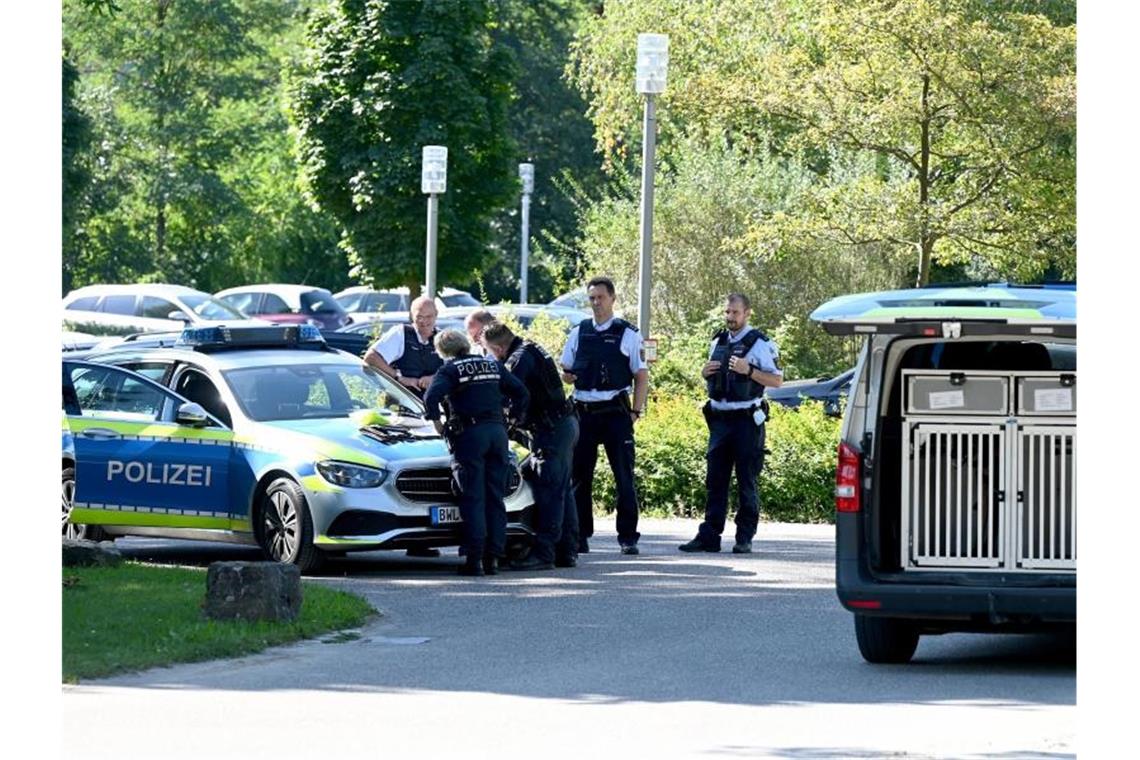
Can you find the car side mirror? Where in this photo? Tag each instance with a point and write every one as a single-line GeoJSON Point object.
{"type": "Point", "coordinates": [179, 315]}
{"type": "Point", "coordinates": [192, 415]}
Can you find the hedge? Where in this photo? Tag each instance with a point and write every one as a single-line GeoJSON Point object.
{"type": "Point", "coordinates": [797, 484]}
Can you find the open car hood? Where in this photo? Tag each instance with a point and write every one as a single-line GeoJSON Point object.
{"type": "Point", "coordinates": [954, 311]}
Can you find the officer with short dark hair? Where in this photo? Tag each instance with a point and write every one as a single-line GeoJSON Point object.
{"type": "Point", "coordinates": [473, 390]}
{"type": "Point", "coordinates": [742, 362]}
{"type": "Point", "coordinates": [602, 359]}
{"type": "Point", "coordinates": [553, 429]}
{"type": "Point", "coordinates": [406, 352]}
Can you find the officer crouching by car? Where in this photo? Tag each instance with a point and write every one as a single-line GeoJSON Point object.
{"type": "Point", "coordinates": [472, 388]}
{"type": "Point", "coordinates": [553, 430]}
{"type": "Point", "coordinates": [741, 363]}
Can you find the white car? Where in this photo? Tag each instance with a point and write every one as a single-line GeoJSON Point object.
{"type": "Point", "coordinates": [144, 307]}
{"type": "Point", "coordinates": [365, 299]}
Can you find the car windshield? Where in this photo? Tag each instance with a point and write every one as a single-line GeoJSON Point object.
{"type": "Point", "coordinates": [385, 302]}
{"type": "Point", "coordinates": [208, 307]}
{"type": "Point", "coordinates": [459, 299]}
{"type": "Point", "coordinates": [304, 391]}
{"type": "Point", "coordinates": [320, 302]}
{"type": "Point", "coordinates": [575, 299]}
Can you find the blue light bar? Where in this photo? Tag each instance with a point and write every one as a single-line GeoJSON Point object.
{"type": "Point", "coordinates": [273, 336]}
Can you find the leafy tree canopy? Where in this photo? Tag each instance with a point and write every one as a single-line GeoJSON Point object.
{"type": "Point", "coordinates": [966, 107]}
{"type": "Point", "coordinates": [380, 81]}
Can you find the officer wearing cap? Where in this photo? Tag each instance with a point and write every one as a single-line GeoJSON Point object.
{"type": "Point", "coordinates": [406, 351]}
{"type": "Point", "coordinates": [602, 359]}
{"type": "Point", "coordinates": [472, 388]}
{"type": "Point", "coordinates": [553, 429]}
{"type": "Point", "coordinates": [742, 362]}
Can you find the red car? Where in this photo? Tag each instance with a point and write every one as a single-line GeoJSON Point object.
{"type": "Point", "coordinates": [287, 304]}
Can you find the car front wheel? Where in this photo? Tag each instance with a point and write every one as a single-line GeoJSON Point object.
{"type": "Point", "coordinates": [285, 529]}
{"type": "Point", "coordinates": [884, 640]}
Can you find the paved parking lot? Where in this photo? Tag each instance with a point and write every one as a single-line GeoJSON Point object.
{"type": "Point", "coordinates": [664, 655]}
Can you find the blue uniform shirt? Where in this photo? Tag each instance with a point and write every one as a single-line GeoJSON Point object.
{"type": "Point", "coordinates": [476, 387]}
{"type": "Point", "coordinates": [762, 355]}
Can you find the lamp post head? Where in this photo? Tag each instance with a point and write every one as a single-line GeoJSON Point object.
{"type": "Point", "coordinates": [526, 174]}
{"type": "Point", "coordinates": [433, 176]}
{"type": "Point", "coordinates": [652, 63]}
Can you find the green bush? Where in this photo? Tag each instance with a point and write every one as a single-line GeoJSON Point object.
{"type": "Point", "coordinates": [797, 484]}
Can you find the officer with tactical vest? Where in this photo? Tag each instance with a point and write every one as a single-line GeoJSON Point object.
{"type": "Point", "coordinates": [553, 430]}
{"type": "Point", "coordinates": [473, 389]}
{"type": "Point", "coordinates": [406, 351]}
{"type": "Point", "coordinates": [602, 359]}
{"type": "Point", "coordinates": [742, 362]}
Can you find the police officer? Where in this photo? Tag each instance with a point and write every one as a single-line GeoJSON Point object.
{"type": "Point", "coordinates": [742, 362]}
{"type": "Point", "coordinates": [553, 429]}
{"type": "Point", "coordinates": [602, 359]}
{"type": "Point", "coordinates": [472, 388]}
{"type": "Point", "coordinates": [474, 323]}
{"type": "Point", "coordinates": [406, 352]}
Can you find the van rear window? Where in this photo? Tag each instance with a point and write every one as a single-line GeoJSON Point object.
{"type": "Point", "coordinates": [1026, 355]}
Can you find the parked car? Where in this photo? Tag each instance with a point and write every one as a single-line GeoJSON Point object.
{"type": "Point", "coordinates": [124, 309]}
{"type": "Point", "coordinates": [831, 391]}
{"type": "Point", "coordinates": [526, 313]}
{"type": "Point", "coordinates": [575, 299]}
{"type": "Point", "coordinates": [367, 300]}
{"type": "Point", "coordinates": [358, 336]}
{"type": "Point", "coordinates": [287, 304]}
{"type": "Point", "coordinates": [955, 496]}
{"type": "Point", "coordinates": [291, 465]}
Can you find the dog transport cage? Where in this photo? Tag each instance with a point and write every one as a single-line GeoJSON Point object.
{"type": "Point", "coordinates": [989, 471]}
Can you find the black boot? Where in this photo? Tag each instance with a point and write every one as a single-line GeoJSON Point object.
{"type": "Point", "coordinates": [471, 567]}
{"type": "Point", "coordinates": [490, 564]}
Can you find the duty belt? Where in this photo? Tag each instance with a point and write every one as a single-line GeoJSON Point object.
{"type": "Point", "coordinates": [619, 402]}
{"type": "Point", "coordinates": [733, 413]}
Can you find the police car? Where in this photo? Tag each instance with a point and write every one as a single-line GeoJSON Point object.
{"type": "Point", "coordinates": [956, 501]}
{"type": "Point", "coordinates": [258, 435]}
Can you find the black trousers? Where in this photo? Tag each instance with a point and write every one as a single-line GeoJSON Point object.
{"type": "Point", "coordinates": [481, 466]}
{"type": "Point", "coordinates": [611, 428]}
{"type": "Point", "coordinates": [736, 442]}
{"type": "Point", "coordinates": [552, 458]}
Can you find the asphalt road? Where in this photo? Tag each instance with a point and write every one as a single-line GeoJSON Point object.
{"type": "Point", "coordinates": [661, 655]}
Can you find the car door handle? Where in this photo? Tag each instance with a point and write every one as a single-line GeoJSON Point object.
{"type": "Point", "coordinates": [100, 434]}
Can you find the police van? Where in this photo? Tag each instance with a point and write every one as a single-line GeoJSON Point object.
{"type": "Point", "coordinates": [257, 435]}
{"type": "Point", "coordinates": [956, 483]}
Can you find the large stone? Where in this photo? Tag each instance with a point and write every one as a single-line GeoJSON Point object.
{"type": "Point", "coordinates": [79, 552]}
{"type": "Point", "coordinates": [253, 591]}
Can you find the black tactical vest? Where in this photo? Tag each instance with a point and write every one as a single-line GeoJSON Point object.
{"type": "Point", "coordinates": [547, 397]}
{"type": "Point", "coordinates": [727, 385]}
{"type": "Point", "coordinates": [478, 397]}
{"type": "Point", "coordinates": [599, 364]}
{"type": "Point", "coordinates": [419, 359]}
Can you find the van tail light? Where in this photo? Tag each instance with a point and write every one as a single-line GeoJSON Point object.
{"type": "Point", "coordinates": [847, 474]}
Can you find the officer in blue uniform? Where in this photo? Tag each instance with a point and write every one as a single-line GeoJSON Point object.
{"type": "Point", "coordinates": [602, 359]}
{"type": "Point", "coordinates": [742, 362]}
{"type": "Point", "coordinates": [553, 429]}
{"type": "Point", "coordinates": [406, 352]}
{"type": "Point", "coordinates": [473, 390]}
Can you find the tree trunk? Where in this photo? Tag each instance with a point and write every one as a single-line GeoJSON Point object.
{"type": "Point", "coordinates": [925, 239]}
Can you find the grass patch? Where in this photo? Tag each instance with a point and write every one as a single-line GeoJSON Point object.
{"type": "Point", "coordinates": [132, 617]}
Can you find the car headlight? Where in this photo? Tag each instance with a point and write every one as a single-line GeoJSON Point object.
{"type": "Point", "coordinates": [351, 475]}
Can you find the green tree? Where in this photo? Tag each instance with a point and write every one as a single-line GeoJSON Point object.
{"type": "Point", "coordinates": [965, 108]}
{"type": "Point", "coordinates": [78, 138]}
{"type": "Point", "coordinates": [192, 174]}
{"type": "Point", "coordinates": [548, 124]}
{"type": "Point", "coordinates": [380, 81]}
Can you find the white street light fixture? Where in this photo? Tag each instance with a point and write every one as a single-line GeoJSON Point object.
{"type": "Point", "coordinates": [652, 70]}
{"type": "Point", "coordinates": [433, 181]}
{"type": "Point", "coordinates": [526, 174]}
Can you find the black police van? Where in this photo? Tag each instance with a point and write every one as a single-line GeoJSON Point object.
{"type": "Point", "coordinates": [956, 480]}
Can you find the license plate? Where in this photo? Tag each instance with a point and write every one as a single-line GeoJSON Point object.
{"type": "Point", "coordinates": [445, 516]}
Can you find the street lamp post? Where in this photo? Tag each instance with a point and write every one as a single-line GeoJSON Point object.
{"type": "Point", "coordinates": [433, 181]}
{"type": "Point", "coordinates": [526, 174]}
{"type": "Point", "coordinates": [652, 67]}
